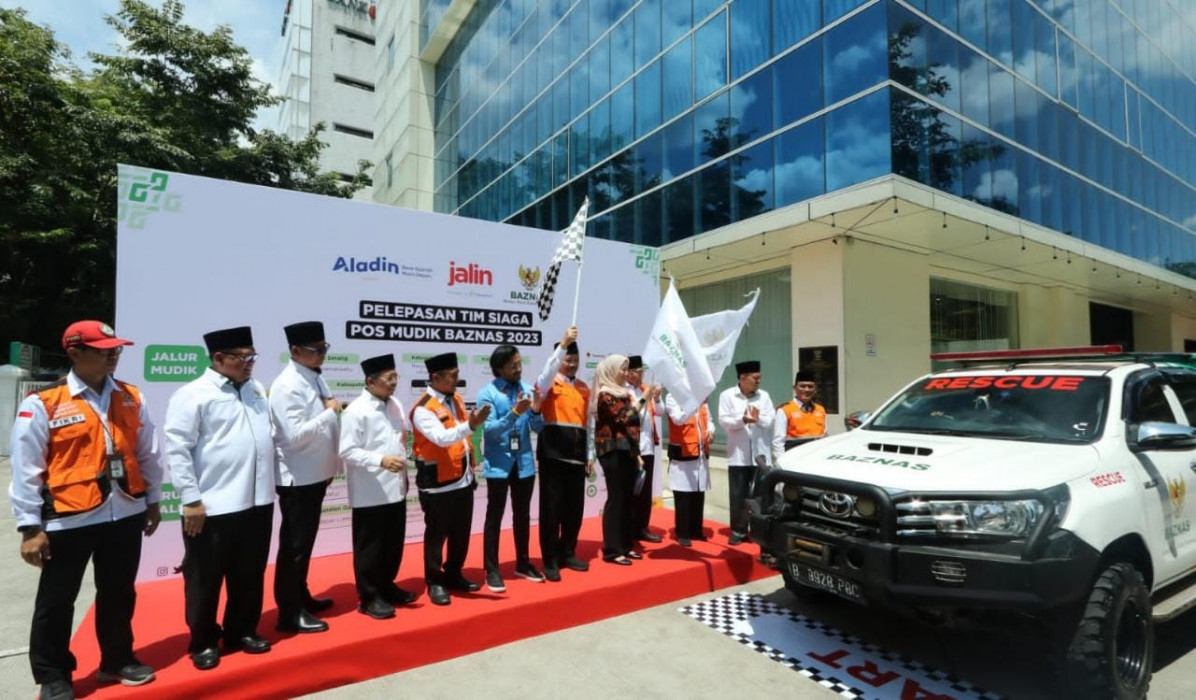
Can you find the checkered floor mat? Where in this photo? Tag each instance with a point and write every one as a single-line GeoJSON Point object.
{"type": "Point", "coordinates": [888, 673]}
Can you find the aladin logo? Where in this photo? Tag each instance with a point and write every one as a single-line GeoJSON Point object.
{"type": "Point", "coordinates": [473, 274]}
{"type": "Point", "coordinates": [1177, 490]}
{"type": "Point", "coordinates": [378, 264]}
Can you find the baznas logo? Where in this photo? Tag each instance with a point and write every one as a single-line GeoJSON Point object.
{"type": "Point", "coordinates": [473, 274]}
{"type": "Point", "coordinates": [529, 276]}
{"type": "Point", "coordinates": [378, 264]}
{"type": "Point", "coordinates": [714, 336]}
{"type": "Point", "coordinates": [1177, 489]}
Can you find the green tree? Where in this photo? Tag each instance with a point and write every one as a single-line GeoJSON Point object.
{"type": "Point", "coordinates": [175, 98]}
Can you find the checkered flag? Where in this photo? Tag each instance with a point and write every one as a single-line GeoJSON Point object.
{"type": "Point", "coordinates": [570, 249]}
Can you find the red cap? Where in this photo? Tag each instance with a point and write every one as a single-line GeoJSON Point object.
{"type": "Point", "coordinates": [95, 334]}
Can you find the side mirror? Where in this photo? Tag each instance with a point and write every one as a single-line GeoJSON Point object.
{"type": "Point", "coordinates": [1156, 435]}
{"type": "Point", "coordinates": [856, 418]}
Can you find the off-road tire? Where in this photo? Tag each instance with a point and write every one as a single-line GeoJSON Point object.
{"type": "Point", "coordinates": [1112, 646]}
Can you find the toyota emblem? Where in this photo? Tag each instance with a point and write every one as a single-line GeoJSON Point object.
{"type": "Point", "coordinates": [836, 505]}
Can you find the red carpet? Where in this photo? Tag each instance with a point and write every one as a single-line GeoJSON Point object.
{"type": "Point", "coordinates": [357, 648]}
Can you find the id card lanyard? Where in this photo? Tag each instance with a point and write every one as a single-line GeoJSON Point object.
{"type": "Point", "coordinates": [513, 444]}
{"type": "Point", "coordinates": [116, 461]}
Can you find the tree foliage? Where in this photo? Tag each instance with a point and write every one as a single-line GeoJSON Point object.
{"type": "Point", "coordinates": [173, 98]}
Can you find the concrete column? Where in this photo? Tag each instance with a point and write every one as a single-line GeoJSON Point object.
{"type": "Point", "coordinates": [886, 338]}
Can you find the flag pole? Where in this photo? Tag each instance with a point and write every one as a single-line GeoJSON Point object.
{"type": "Point", "coordinates": [577, 288]}
{"type": "Point", "coordinates": [576, 295]}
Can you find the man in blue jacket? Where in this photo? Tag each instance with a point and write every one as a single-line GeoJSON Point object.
{"type": "Point", "coordinates": [509, 465]}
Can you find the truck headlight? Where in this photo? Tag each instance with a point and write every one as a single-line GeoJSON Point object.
{"type": "Point", "coordinates": [1007, 518]}
{"type": "Point", "coordinates": [791, 493]}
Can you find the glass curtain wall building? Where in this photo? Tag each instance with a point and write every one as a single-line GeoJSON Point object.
{"type": "Point", "coordinates": [679, 117]}
{"type": "Point", "coordinates": [919, 174]}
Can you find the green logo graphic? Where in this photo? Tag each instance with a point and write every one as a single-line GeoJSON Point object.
{"type": "Point", "coordinates": [647, 260]}
{"type": "Point", "coordinates": [141, 192]}
{"type": "Point", "coordinates": [174, 363]}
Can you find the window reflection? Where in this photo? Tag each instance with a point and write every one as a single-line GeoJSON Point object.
{"type": "Point", "coordinates": [857, 141]}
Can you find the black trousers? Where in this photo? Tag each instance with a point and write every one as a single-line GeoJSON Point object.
{"type": "Point", "coordinates": [232, 550]}
{"type": "Point", "coordinates": [641, 504]}
{"type": "Point", "coordinates": [496, 505]}
{"type": "Point", "coordinates": [562, 502]}
{"type": "Point", "coordinates": [115, 550]}
{"type": "Point", "coordinates": [740, 483]}
{"type": "Point", "coordinates": [689, 508]}
{"type": "Point", "coordinates": [448, 517]}
{"type": "Point", "coordinates": [300, 508]}
{"type": "Point", "coordinates": [618, 519]}
{"type": "Point", "coordinates": [379, 533]}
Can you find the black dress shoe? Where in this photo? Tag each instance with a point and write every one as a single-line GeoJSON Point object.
{"type": "Point", "coordinates": [57, 690]}
{"type": "Point", "coordinates": [551, 573]}
{"type": "Point", "coordinates": [250, 644]}
{"type": "Point", "coordinates": [460, 583]}
{"type": "Point", "coordinates": [206, 659]}
{"type": "Point", "coordinates": [684, 542]}
{"type": "Point", "coordinates": [303, 623]}
{"type": "Point", "coordinates": [317, 605]}
{"type": "Point", "coordinates": [399, 596]}
{"type": "Point", "coordinates": [576, 564]}
{"type": "Point", "coordinates": [649, 536]}
{"type": "Point", "coordinates": [634, 555]}
{"type": "Point", "coordinates": [378, 609]}
{"type": "Point", "coordinates": [620, 560]}
{"type": "Point", "coordinates": [438, 594]}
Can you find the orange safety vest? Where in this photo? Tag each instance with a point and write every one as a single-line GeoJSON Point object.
{"type": "Point", "coordinates": [563, 437]}
{"type": "Point", "coordinates": [800, 424]}
{"type": "Point", "coordinates": [684, 442]}
{"type": "Point", "coordinates": [651, 416]}
{"type": "Point", "coordinates": [76, 477]}
{"type": "Point", "coordinates": [435, 465]}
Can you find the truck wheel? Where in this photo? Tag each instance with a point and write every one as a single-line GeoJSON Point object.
{"type": "Point", "coordinates": [1112, 649]}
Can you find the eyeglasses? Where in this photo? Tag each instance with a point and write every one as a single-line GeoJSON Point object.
{"type": "Point", "coordinates": [105, 352]}
{"type": "Point", "coordinates": [247, 358]}
{"type": "Point", "coordinates": [317, 349]}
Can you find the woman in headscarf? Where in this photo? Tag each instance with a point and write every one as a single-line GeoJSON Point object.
{"type": "Point", "coordinates": [616, 420]}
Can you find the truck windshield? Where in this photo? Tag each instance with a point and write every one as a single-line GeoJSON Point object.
{"type": "Point", "coordinates": [1038, 407]}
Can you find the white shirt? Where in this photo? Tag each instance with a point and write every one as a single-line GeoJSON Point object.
{"type": "Point", "coordinates": [430, 426]}
{"type": "Point", "coordinates": [370, 429]}
{"type": "Point", "coordinates": [746, 442]}
{"type": "Point", "coordinates": [305, 431]}
{"type": "Point", "coordinates": [220, 444]}
{"type": "Point", "coordinates": [30, 438]}
{"type": "Point", "coordinates": [647, 427]}
{"type": "Point", "coordinates": [689, 474]}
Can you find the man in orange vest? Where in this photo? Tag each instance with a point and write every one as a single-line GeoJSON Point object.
{"type": "Point", "coordinates": [799, 419]}
{"type": "Point", "coordinates": [690, 438]}
{"type": "Point", "coordinates": [444, 465]}
{"type": "Point", "coordinates": [86, 485]}
{"type": "Point", "coordinates": [563, 455]}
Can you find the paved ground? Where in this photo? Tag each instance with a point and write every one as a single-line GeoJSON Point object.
{"type": "Point", "coordinates": [654, 653]}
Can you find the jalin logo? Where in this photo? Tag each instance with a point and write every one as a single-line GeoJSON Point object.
{"type": "Point", "coordinates": [473, 274]}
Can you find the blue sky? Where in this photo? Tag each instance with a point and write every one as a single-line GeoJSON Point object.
{"type": "Point", "coordinates": [79, 24]}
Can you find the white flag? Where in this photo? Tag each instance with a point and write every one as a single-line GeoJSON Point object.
{"type": "Point", "coordinates": [676, 356]}
{"type": "Point", "coordinates": [719, 332]}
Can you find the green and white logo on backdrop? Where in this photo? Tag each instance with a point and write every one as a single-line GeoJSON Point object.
{"type": "Point", "coordinates": [141, 192]}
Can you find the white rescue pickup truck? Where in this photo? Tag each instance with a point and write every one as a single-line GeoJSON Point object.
{"type": "Point", "coordinates": [1054, 489]}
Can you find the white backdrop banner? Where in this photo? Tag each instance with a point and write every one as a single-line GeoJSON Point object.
{"type": "Point", "coordinates": [195, 254]}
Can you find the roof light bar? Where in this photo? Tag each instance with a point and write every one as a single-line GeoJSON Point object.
{"type": "Point", "coordinates": [1080, 351]}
